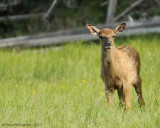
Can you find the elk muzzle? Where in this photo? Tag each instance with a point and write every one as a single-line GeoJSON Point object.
{"type": "Point", "coordinates": [107, 45]}
{"type": "Point", "coordinates": [107, 42]}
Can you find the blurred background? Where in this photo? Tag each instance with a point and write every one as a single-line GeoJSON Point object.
{"type": "Point", "coordinates": [32, 17]}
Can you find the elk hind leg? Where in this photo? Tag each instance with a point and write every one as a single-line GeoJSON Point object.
{"type": "Point", "coordinates": [138, 89]}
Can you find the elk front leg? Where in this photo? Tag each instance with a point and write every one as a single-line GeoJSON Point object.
{"type": "Point", "coordinates": [121, 96]}
{"type": "Point", "coordinates": [109, 93]}
{"type": "Point", "coordinates": [126, 89]}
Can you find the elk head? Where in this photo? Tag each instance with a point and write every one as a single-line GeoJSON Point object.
{"type": "Point", "coordinates": [106, 35]}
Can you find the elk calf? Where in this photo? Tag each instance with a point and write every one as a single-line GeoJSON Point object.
{"type": "Point", "coordinates": [120, 67]}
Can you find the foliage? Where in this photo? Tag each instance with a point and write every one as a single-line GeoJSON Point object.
{"type": "Point", "coordinates": [63, 18]}
{"type": "Point", "coordinates": [61, 87]}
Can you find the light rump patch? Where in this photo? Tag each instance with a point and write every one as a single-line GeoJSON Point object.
{"type": "Point", "coordinates": [120, 67]}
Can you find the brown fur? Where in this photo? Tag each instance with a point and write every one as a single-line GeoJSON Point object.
{"type": "Point", "coordinates": [120, 67]}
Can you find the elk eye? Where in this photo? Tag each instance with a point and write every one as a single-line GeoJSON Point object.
{"type": "Point", "coordinates": [113, 36]}
{"type": "Point", "coordinates": [100, 37]}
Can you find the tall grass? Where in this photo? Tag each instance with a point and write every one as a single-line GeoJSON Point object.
{"type": "Point", "coordinates": [61, 87]}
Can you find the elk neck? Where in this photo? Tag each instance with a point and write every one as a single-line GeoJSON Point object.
{"type": "Point", "coordinates": [108, 56]}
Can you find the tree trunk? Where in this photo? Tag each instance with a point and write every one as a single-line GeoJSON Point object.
{"type": "Point", "coordinates": [111, 11]}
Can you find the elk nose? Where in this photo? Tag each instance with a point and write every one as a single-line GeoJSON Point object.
{"type": "Point", "coordinates": [108, 43]}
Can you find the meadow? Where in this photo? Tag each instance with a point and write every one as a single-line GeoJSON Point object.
{"type": "Point", "coordinates": [61, 87]}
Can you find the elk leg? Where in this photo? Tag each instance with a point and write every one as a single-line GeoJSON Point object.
{"type": "Point", "coordinates": [109, 94]}
{"type": "Point", "coordinates": [121, 96]}
{"type": "Point", "coordinates": [138, 89]}
{"type": "Point", "coordinates": [126, 89]}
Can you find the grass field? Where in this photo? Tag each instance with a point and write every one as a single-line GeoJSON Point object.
{"type": "Point", "coordinates": [61, 87]}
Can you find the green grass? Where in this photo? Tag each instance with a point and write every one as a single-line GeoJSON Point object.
{"type": "Point", "coordinates": [62, 100]}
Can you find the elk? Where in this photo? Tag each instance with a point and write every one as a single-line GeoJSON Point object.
{"type": "Point", "coordinates": [120, 67]}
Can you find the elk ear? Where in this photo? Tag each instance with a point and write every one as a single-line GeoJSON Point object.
{"type": "Point", "coordinates": [120, 28]}
{"type": "Point", "coordinates": [93, 29]}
